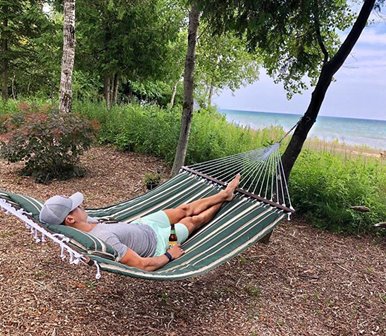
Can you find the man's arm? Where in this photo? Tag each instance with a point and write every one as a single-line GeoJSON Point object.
{"type": "Point", "coordinates": [131, 258]}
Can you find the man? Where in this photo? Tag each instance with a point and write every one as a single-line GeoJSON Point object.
{"type": "Point", "coordinates": [143, 242]}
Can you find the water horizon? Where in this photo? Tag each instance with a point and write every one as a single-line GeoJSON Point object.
{"type": "Point", "coordinates": [347, 130]}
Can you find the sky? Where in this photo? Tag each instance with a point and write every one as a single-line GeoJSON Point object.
{"type": "Point", "coordinates": [358, 92]}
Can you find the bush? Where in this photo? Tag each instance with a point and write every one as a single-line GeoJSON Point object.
{"type": "Point", "coordinates": [48, 143]}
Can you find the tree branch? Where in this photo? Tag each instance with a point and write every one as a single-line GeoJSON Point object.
{"type": "Point", "coordinates": [353, 36]}
{"type": "Point", "coordinates": [319, 35]}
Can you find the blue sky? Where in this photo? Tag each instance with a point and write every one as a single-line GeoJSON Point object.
{"type": "Point", "coordinates": [359, 90]}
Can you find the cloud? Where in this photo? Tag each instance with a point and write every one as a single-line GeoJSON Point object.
{"type": "Point", "coordinates": [371, 35]}
{"type": "Point", "coordinates": [367, 62]}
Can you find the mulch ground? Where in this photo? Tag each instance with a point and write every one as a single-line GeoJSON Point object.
{"type": "Point", "coordinates": [305, 282]}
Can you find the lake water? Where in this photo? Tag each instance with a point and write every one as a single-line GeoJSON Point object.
{"type": "Point", "coordinates": [351, 131]}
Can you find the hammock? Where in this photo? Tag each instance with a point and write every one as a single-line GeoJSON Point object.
{"type": "Point", "coordinates": [260, 203]}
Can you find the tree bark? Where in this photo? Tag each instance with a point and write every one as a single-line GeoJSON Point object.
{"type": "Point", "coordinates": [13, 87]}
{"type": "Point", "coordinates": [115, 90]}
{"type": "Point", "coordinates": [328, 71]}
{"type": "Point", "coordinates": [210, 95]}
{"type": "Point", "coordinates": [107, 91]}
{"type": "Point", "coordinates": [187, 112]}
{"type": "Point", "coordinates": [173, 97]}
{"type": "Point", "coordinates": [4, 79]}
{"type": "Point", "coordinates": [68, 57]}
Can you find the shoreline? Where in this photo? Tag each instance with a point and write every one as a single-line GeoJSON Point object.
{"type": "Point", "coordinates": [336, 147]}
{"type": "Point", "coordinates": [353, 132]}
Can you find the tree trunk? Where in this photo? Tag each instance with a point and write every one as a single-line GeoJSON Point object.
{"type": "Point", "coordinates": [13, 87]}
{"type": "Point", "coordinates": [4, 65]}
{"type": "Point", "coordinates": [328, 71]}
{"type": "Point", "coordinates": [173, 97]}
{"type": "Point", "coordinates": [210, 95]}
{"type": "Point", "coordinates": [107, 91]}
{"type": "Point", "coordinates": [68, 57]}
{"type": "Point", "coordinates": [187, 111]}
{"type": "Point", "coordinates": [4, 81]}
{"type": "Point", "coordinates": [115, 90]}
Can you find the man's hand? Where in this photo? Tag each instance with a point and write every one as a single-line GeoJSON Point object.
{"type": "Point", "coordinates": [176, 251]}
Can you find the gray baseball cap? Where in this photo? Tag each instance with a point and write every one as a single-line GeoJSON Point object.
{"type": "Point", "coordinates": [57, 208]}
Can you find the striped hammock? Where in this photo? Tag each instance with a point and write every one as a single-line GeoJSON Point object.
{"type": "Point", "coordinates": [260, 203]}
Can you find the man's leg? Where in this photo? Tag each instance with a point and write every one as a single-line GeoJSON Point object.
{"type": "Point", "coordinates": [193, 223]}
{"type": "Point", "coordinates": [197, 207]}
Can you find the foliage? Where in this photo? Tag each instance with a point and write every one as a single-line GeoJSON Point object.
{"type": "Point", "coordinates": [324, 187]}
{"type": "Point", "coordinates": [127, 39]}
{"type": "Point", "coordinates": [85, 86]}
{"type": "Point", "coordinates": [288, 34]}
{"type": "Point", "coordinates": [156, 92]}
{"type": "Point", "coordinates": [22, 24]}
{"type": "Point", "coordinates": [152, 130]}
{"type": "Point", "coordinates": [49, 144]}
{"type": "Point", "coordinates": [145, 129]}
{"type": "Point", "coordinates": [223, 62]}
{"type": "Point", "coordinates": [30, 105]}
{"type": "Point", "coordinates": [152, 180]}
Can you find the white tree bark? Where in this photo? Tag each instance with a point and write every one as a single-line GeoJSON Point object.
{"type": "Point", "coordinates": [173, 97]}
{"type": "Point", "coordinates": [68, 57]}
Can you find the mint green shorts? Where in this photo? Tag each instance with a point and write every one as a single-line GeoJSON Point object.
{"type": "Point", "coordinates": [160, 223]}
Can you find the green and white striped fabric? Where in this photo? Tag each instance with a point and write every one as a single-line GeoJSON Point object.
{"type": "Point", "coordinates": [258, 206]}
{"type": "Point", "coordinates": [237, 225]}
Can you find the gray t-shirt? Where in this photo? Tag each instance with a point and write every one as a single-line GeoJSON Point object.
{"type": "Point", "coordinates": [140, 238]}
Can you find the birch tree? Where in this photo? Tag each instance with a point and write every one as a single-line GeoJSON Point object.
{"type": "Point", "coordinates": [68, 58]}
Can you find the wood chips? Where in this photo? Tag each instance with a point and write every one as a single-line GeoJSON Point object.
{"type": "Point", "coordinates": [305, 282]}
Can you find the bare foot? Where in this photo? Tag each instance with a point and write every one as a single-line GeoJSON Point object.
{"type": "Point", "coordinates": [231, 187]}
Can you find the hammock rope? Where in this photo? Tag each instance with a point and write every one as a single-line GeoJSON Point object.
{"type": "Point", "coordinates": [262, 175]}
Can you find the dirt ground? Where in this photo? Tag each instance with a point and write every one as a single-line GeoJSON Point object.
{"type": "Point", "coordinates": [305, 282]}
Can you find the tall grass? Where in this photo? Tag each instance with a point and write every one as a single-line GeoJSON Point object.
{"type": "Point", "coordinates": [324, 183]}
{"type": "Point", "coordinates": [153, 130]}
{"type": "Point", "coordinates": [325, 186]}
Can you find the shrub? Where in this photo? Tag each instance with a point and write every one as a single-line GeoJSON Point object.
{"type": "Point", "coordinates": [152, 180]}
{"type": "Point", "coordinates": [49, 144]}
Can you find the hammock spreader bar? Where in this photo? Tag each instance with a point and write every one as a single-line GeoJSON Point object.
{"type": "Point", "coordinates": [246, 193]}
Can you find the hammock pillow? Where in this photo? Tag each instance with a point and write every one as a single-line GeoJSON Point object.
{"type": "Point", "coordinates": [84, 242]}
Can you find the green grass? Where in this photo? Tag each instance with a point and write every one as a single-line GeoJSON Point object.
{"type": "Point", "coordinates": [324, 186]}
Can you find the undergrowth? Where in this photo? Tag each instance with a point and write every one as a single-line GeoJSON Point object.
{"type": "Point", "coordinates": [324, 186]}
